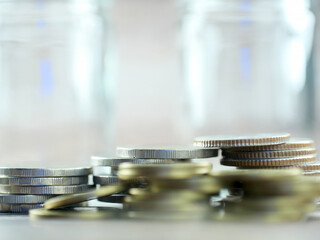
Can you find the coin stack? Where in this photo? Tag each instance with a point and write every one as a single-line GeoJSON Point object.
{"type": "Point", "coordinates": [270, 195]}
{"type": "Point", "coordinates": [175, 191]}
{"type": "Point", "coordinates": [22, 189]}
{"type": "Point", "coordinates": [106, 173]}
{"type": "Point", "coordinates": [264, 151]}
{"type": "Point", "coordinates": [168, 168]}
{"type": "Point", "coordinates": [106, 168]}
{"type": "Point", "coordinates": [182, 191]}
{"type": "Point", "coordinates": [164, 182]}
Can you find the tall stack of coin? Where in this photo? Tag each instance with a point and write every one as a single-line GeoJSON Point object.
{"type": "Point", "coordinates": [175, 191]}
{"type": "Point", "coordinates": [262, 150]}
{"type": "Point", "coordinates": [22, 189]}
{"type": "Point", "coordinates": [270, 195]}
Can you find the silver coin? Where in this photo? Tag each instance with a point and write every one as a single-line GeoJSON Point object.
{"type": "Point", "coordinates": [292, 143]}
{"type": "Point", "coordinates": [271, 154]}
{"type": "Point", "coordinates": [105, 180]}
{"type": "Point", "coordinates": [23, 199]}
{"type": "Point", "coordinates": [167, 152]}
{"type": "Point", "coordinates": [57, 181]}
{"type": "Point", "coordinates": [310, 167]}
{"type": "Point", "coordinates": [114, 162]}
{"type": "Point", "coordinates": [226, 141]}
{"type": "Point", "coordinates": [18, 208]}
{"type": "Point", "coordinates": [270, 162]}
{"type": "Point", "coordinates": [45, 172]}
{"type": "Point", "coordinates": [43, 190]}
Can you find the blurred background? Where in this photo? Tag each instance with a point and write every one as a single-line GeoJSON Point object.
{"type": "Point", "coordinates": [213, 67]}
{"type": "Point", "coordinates": [80, 77]}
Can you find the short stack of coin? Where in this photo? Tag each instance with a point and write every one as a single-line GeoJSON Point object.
{"type": "Point", "coordinates": [262, 150]}
{"type": "Point", "coordinates": [174, 191]}
{"type": "Point", "coordinates": [294, 152]}
{"type": "Point", "coordinates": [22, 189]}
{"type": "Point", "coordinates": [268, 195]}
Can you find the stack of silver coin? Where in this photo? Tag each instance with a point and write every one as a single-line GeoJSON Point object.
{"type": "Point", "coordinates": [275, 150]}
{"type": "Point", "coordinates": [105, 169]}
{"type": "Point", "coordinates": [22, 189]}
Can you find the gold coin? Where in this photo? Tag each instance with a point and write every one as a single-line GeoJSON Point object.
{"type": "Point", "coordinates": [255, 175]}
{"type": "Point", "coordinates": [289, 161]}
{"type": "Point", "coordinates": [81, 213]}
{"type": "Point", "coordinates": [269, 203]}
{"type": "Point", "coordinates": [64, 201]}
{"type": "Point", "coordinates": [304, 207]}
{"type": "Point", "coordinates": [202, 184]}
{"type": "Point", "coordinates": [186, 195]}
{"type": "Point", "coordinates": [129, 171]}
{"type": "Point", "coordinates": [305, 186]}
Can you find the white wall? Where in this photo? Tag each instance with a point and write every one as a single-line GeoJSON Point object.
{"type": "Point", "coordinates": [148, 79]}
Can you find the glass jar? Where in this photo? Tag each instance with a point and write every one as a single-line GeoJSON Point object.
{"type": "Point", "coordinates": [56, 80]}
{"type": "Point", "coordinates": [244, 67]}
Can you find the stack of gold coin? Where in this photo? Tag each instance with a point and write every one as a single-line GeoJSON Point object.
{"type": "Point", "coordinates": [25, 188]}
{"type": "Point", "coordinates": [270, 195]}
{"type": "Point", "coordinates": [105, 172]}
{"type": "Point", "coordinates": [273, 150]}
{"type": "Point", "coordinates": [106, 168]}
{"type": "Point", "coordinates": [174, 191]}
{"type": "Point", "coordinates": [182, 191]}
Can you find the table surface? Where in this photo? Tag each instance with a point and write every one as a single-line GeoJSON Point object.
{"type": "Point", "coordinates": [21, 227]}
